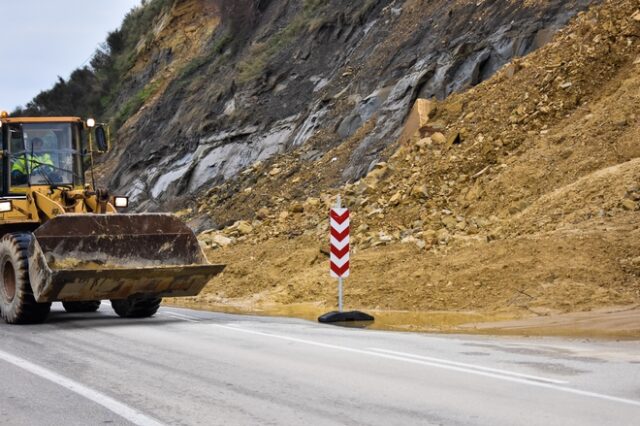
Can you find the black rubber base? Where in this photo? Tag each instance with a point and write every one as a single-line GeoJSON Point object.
{"type": "Point", "coordinates": [350, 316]}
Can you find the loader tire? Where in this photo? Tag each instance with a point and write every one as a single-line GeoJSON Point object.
{"type": "Point", "coordinates": [88, 306]}
{"type": "Point", "coordinates": [137, 307]}
{"type": "Point", "coordinates": [17, 303]}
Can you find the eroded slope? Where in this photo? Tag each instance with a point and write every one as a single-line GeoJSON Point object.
{"type": "Point", "coordinates": [533, 209]}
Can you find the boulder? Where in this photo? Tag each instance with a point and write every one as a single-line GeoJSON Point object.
{"type": "Point", "coordinates": [443, 235]}
{"type": "Point", "coordinates": [423, 143]}
{"type": "Point", "coordinates": [408, 240]}
{"type": "Point", "coordinates": [420, 192]}
{"type": "Point", "coordinates": [395, 199]}
{"type": "Point", "coordinates": [221, 240]}
{"type": "Point", "coordinates": [430, 235]}
{"type": "Point", "coordinates": [312, 202]}
{"type": "Point", "coordinates": [450, 222]}
{"type": "Point", "coordinates": [243, 227]}
{"type": "Point", "coordinates": [384, 238]}
{"type": "Point", "coordinates": [418, 118]}
{"type": "Point", "coordinates": [362, 228]}
{"type": "Point", "coordinates": [438, 138]}
{"type": "Point", "coordinates": [263, 213]}
{"type": "Point", "coordinates": [379, 172]}
{"type": "Point", "coordinates": [511, 69]}
{"type": "Point", "coordinates": [454, 108]}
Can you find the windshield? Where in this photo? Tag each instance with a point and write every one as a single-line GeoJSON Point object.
{"type": "Point", "coordinates": [45, 154]}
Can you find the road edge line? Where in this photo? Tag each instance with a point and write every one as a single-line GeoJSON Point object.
{"type": "Point", "coordinates": [129, 413]}
{"type": "Point", "coordinates": [442, 366]}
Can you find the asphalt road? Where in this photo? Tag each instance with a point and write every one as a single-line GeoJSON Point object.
{"type": "Point", "coordinates": [188, 367]}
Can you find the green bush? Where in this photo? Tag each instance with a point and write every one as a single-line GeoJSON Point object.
{"type": "Point", "coordinates": [136, 102]}
{"type": "Point", "coordinates": [260, 54]}
{"type": "Point", "coordinates": [93, 90]}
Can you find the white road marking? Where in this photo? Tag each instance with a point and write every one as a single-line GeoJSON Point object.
{"type": "Point", "coordinates": [477, 372]}
{"type": "Point", "coordinates": [175, 315]}
{"type": "Point", "coordinates": [472, 366]}
{"type": "Point", "coordinates": [119, 408]}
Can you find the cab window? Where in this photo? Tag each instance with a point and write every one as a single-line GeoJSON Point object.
{"type": "Point", "coordinates": [45, 154]}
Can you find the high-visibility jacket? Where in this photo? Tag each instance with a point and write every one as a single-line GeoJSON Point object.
{"type": "Point", "coordinates": [20, 163]}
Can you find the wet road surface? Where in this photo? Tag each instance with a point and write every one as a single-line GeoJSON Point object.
{"type": "Point", "coordinates": [186, 367]}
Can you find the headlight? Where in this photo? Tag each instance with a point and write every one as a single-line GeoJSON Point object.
{"type": "Point", "coordinates": [5, 206]}
{"type": "Point", "coordinates": [91, 122]}
{"type": "Point", "coordinates": [121, 202]}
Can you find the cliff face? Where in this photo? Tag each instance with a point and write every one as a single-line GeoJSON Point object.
{"type": "Point", "coordinates": [525, 202]}
{"type": "Point", "coordinates": [218, 85]}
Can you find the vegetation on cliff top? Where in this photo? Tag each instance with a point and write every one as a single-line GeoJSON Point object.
{"type": "Point", "coordinates": [93, 89]}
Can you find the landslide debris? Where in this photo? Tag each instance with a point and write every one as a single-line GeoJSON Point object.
{"type": "Point", "coordinates": [199, 90]}
{"type": "Point", "coordinates": [517, 196]}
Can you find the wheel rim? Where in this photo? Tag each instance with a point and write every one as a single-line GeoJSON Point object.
{"type": "Point", "coordinates": [9, 280]}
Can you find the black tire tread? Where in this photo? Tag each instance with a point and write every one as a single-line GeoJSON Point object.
{"type": "Point", "coordinates": [137, 307]}
{"type": "Point", "coordinates": [23, 309]}
{"type": "Point", "coordinates": [84, 306]}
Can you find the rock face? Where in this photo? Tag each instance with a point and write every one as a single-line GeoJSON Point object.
{"type": "Point", "coordinates": [418, 120]}
{"type": "Point", "coordinates": [536, 210]}
{"type": "Point", "coordinates": [236, 83]}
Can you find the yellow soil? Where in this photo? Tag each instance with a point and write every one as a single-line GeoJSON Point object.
{"type": "Point", "coordinates": [535, 213]}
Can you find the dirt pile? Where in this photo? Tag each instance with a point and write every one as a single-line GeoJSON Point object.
{"type": "Point", "coordinates": [518, 197]}
{"type": "Point", "coordinates": [218, 85]}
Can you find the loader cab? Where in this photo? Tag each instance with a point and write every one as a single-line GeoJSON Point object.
{"type": "Point", "coordinates": [41, 152]}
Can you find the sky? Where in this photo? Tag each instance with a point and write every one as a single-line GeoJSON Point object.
{"type": "Point", "coordinates": [44, 39]}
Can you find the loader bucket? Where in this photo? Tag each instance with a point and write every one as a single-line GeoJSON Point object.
{"type": "Point", "coordinates": [78, 257]}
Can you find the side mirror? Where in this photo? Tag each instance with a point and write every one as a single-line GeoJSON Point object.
{"type": "Point", "coordinates": [102, 141]}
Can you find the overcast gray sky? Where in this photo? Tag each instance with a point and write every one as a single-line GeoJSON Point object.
{"type": "Point", "coordinates": [44, 39]}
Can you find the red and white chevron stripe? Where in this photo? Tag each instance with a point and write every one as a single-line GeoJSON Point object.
{"type": "Point", "coordinates": [339, 218]}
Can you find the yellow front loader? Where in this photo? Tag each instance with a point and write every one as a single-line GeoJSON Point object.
{"type": "Point", "coordinates": [62, 239]}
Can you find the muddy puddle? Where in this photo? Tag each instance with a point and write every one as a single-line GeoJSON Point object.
{"type": "Point", "coordinates": [614, 323]}
{"type": "Point", "coordinates": [618, 322]}
{"type": "Point", "coordinates": [384, 319]}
